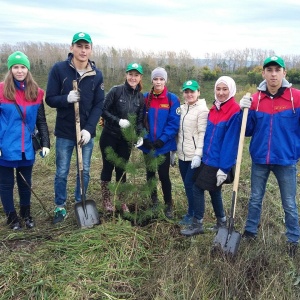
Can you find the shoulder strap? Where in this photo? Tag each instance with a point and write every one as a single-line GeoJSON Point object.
{"type": "Point", "coordinates": [21, 115]}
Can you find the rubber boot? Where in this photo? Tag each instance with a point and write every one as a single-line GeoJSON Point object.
{"type": "Point", "coordinates": [13, 221]}
{"type": "Point", "coordinates": [194, 229]}
{"type": "Point", "coordinates": [25, 214]}
{"type": "Point", "coordinates": [169, 210]}
{"type": "Point", "coordinates": [106, 197]}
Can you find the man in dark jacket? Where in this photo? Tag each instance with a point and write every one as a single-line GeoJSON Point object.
{"type": "Point", "coordinates": [60, 95]}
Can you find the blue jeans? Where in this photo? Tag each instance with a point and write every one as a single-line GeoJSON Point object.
{"type": "Point", "coordinates": [199, 202]}
{"type": "Point", "coordinates": [286, 178]}
{"type": "Point", "coordinates": [64, 150]}
{"type": "Point", "coordinates": [187, 177]}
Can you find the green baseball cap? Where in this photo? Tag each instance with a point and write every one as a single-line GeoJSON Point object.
{"type": "Point", "coordinates": [274, 59]}
{"type": "Point", "coordinates": [18, 58]}
{"type": "Point", "coordinates": [191, 85]}
{"type": "Point", "coordinates": [136, 67]}
{"type": "Point", "coordinates": [81, 36]}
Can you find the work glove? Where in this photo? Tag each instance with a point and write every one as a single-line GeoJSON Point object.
{"type": "Point", "coordinates": [196, 161]}
{"type": "Point", "coordinates": [221, 177]}
{"type": "Point", "coordinates": [45, 151]}
{"type": "Point", "coordinates": [85, 137]}
{"type": "Point", "coordinates": [245, 102]}
{"type": "Point", "coordinates": [147, 144]}
{"type": "Point", "coordinates": [158, 144]}
{"type": "Point", "coordinates": [139, 142]}
{"type": "Point", "coordinates": [73, 96]}
{"type": "Point", "coordinates": [173, 158]}
{"type": "Point", "coordinates": [124, 123]}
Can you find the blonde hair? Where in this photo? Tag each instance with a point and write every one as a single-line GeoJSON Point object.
{"type": "Point", "coordinates": [31, 87]}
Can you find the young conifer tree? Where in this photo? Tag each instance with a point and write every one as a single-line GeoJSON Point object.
{"type": "Point", "coordinates": [136, 191]}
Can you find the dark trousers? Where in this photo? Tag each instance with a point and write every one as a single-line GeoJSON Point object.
{"type": "Point", "coordinates": [121, 147]}
{"type": "Point", "coordinates": [7, 182]}
{"type": "Point", "coordinates": [163, 175]}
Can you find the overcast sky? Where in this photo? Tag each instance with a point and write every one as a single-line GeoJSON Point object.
{"type": "Point", "coordinates": [197, 26]}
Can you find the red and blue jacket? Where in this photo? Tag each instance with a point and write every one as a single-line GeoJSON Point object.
{"type": "Point", "coordinates": [274, 124]}
{"type": "Point", "coordinates": [222, 136]}
{"type": "Point", "coordinates": [164, 121]}
{"type": "Point", "coordinates": [15, 136]}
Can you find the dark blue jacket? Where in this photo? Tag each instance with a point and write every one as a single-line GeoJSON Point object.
{"type": "Point", "coordinates": [90, 86]}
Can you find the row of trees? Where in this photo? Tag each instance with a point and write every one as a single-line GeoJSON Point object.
{"type": "Point", "coordinates": [180, 66]}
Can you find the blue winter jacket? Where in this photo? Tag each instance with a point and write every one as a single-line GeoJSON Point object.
{"type": "Point", "coordinates": [274, 124]}
{"type": "Point", "coordinates": [164, 120]}
{"type": "Point", "coordinates": [222, 136]}
{"type": "Point", "coordinates": [91, 89]}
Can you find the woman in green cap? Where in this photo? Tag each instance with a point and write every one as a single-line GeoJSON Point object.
{"type": "Point", "coordinates": [120, 102]}
{"type": "Point", "coordinates": [193, 120]}
{"type": "Point", "coordinates": [21, 109]}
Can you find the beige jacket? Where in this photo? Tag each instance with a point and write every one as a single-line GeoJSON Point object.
{"type": "Point", "coordinates": [192, 128]}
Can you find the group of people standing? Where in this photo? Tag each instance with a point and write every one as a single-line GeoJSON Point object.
{"type": "Point", "coordinates": [205, 140]}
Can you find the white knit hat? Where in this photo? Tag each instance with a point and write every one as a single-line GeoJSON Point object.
{"type": "Point", "coordinates": [159, 72]}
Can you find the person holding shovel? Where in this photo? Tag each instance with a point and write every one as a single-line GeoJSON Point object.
{"type": "Point", "coordinates": [219, 155]}
{"type": "Point", "coordinates": [120, 102]}
{"type": "Point", "coordinates": [61, 95]}
{"type": "Point", "coordinates": [19, 94]}
{"type": "Point", "coordinates": [161, 122]}
{"type": "Point", "coordinates": [274, 126]}
{"type": "Point", "coordinates": [190, 139]}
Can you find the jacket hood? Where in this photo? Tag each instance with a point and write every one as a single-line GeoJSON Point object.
{"type": "Point", "coordinates": [263, 85]}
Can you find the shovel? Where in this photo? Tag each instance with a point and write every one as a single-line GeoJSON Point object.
{"type": "Point", "coordinates": [85, 211]}
{"type": "Point", "coordinates": [227, 239]}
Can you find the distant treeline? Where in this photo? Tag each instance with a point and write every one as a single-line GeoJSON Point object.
{"type": "Point", "coordinates": [180, 66]}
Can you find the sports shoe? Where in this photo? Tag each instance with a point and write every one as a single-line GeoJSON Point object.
{"type": "Point", "coordinates": [186, 220]}
{"type": "Point", "coordinates": [13, 221]}
{"type": "Point", "coordinates": [195, 228]}
{"type": "Point", "coordinates": [221, 222]}
{"type": "Point", "coordinates": [29, 223]}
{"type": "Point", "coordinates": [292, 249]}
{"type": "Point", "coordinates": [247, 235]}
{"type": "Point", "coordinates": [60, 214]}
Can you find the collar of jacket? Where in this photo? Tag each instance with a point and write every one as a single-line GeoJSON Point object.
{"type": "Point", "coordinates": [225, 106]}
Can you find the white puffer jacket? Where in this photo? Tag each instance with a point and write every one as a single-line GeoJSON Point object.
{"type": "Point", "coordinates": [192, 128]}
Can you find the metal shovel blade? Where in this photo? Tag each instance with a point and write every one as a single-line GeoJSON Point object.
{"type": "Point", "coordinates": [87, 215]}
{"type": "Point", "coordinates": [226, 241]}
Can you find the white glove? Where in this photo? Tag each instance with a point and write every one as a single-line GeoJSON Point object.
{"type": "Point", "coordinates": [124, 123]}
{"type": "Point", "coordinates": [196, 161]}
{"type": "Point", "coordinates": [45, 151]}
{"type": "Point", "coordinates": [85, 137]}
{"type": "Point", "coordinates": [73, 96]}
{"type": "Point", "coordinates": [245, 102]}
{"type": "Point", "coordinates": [173, 158]}
{"type": "Point", "coordinates": [139, 142]}
{"type": "Point", "coordinates": [221, 177]}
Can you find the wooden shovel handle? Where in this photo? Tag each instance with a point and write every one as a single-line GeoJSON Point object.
{"type": "Point", "coordinates": [78, 130]}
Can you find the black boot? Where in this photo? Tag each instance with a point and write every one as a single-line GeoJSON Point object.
{"type": "Point", "coordinates": [169, 210]}
{"type": "Point", "coordinates": [13, 221]}
{"type": "Point", "coordinates": [25, 214]}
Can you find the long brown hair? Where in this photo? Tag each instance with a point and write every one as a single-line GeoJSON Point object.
{"type": "Point", "coordinates": [148, 103]}
{"type": "Point", "coordinates": [31, 87]}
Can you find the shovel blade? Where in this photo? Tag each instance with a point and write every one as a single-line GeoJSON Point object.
{"type": "Point", "coordinates": [227, 242]}
{"type": "Point", "coordinates": [87, 217]}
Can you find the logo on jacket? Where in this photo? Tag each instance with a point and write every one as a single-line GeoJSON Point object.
{"type": "Point", "coordinates": [164, 106]}
{"type": "Point", "coordinates": [102, 86]}
{"type": "Point", "coordinates": [178, 111]}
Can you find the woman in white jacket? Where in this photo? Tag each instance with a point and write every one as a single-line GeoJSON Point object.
{"type": "Point", "coordinates": [192, 128]}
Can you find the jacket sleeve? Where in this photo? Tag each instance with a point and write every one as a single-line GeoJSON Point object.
{"type": "Point", "coordinates": [140, 115]}
{"type": "Point", "coordinates": [42, 126]}
{"type": "Point", "coordinates": [173, 121]}
{"type": "Point", "coordinates": [96, 109]}
{"type": "Point", "coordinates": [54, 98]}
{"type": "Point", "coordinates": [202, 122]}
{"type": "Point", "coordinates": [108, 107]}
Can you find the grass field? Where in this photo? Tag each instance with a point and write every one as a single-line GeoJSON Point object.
{"type": "Point", "coordinates": [116, 260]}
